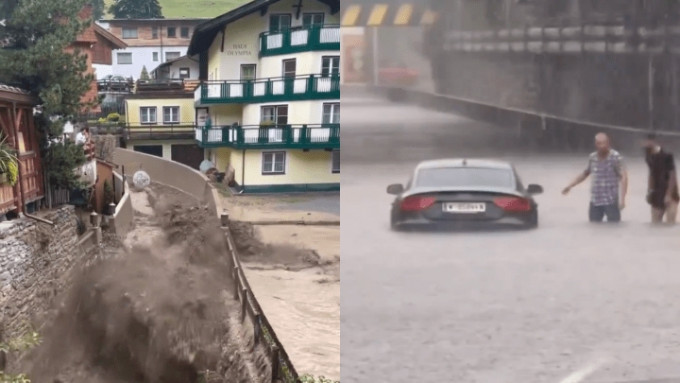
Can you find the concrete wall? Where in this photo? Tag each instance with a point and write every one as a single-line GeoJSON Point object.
{"type": "Point", "coordinates": [33, 258]}
{"type": "Point", "coordinates": [167, 145]}
{"type": "Point", "coordinates": [169, 173]}
{"type": "Point", "coordinates": [124, 214]}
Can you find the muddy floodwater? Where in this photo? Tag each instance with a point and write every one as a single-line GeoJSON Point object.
{"type": "Point", "coordinates": [566, 300]}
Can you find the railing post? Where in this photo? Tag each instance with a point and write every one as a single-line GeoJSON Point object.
{"type": "Point", "coordinates": [310, 85]}
{"type": "Point", "coordinates": [236, 284]}
{"type": "Point", "coordinates": [244, 304]}
{"type": "Point", "coordinates": [303, 134]}
{"type": "Point", "coordinates": [256, 329]}
{"type": "Point", "coordinates": [275, 362]}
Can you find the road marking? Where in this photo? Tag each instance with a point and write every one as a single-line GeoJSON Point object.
{"type": "Point", "coordinates": [351, 16]}
{"type": "Point", "coordinates": [377, 15]}
{"type": "Point", "coordinates": [582, 373]}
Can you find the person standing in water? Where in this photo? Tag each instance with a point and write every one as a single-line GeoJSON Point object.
{"type": "Point", "coordinates": [662, 189]}
{"type": "Point", "coordinates": [609, 182]}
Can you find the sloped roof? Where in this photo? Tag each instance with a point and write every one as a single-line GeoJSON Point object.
{"type": "Point", "coordinates": [12, 89]}
{"type": "Point", "coordinates": [205, 33]}
{"type": "Point", "coordinates": [110, 37]}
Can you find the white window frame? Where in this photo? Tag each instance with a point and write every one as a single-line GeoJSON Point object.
{"type": "Point", "coordinates": [179, 54]}
{"type": "Point", "coordinates": [182, 29]}
{"type": "Point", "coordinates": [333, 169]}
{"type": "Point", "coordinates": [124, 54]}
{"type": "Point", "coordinates": [188, 71]}
{"type": "Point", "coordinates": [334, 106]}
{"type": "Point", "coordinates": [154, 56]}
{"type": "Point", "coordinates": [330, 68]}
{"type": "Point", "coordinates": [130, 35]}
{"type": "Point", "coordinates": [176, 121]}
{"type": "Point", "coordinates": [267, 172]}
{"type": "Point", "coordinates": [154, 32]}
{"type": "Point", "coordinates": [148, 121]}
{"type": "Point", "coordinates": [168, 29]}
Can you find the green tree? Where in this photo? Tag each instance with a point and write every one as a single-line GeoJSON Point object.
{"type": "Point", "coordinates": [37, 57]}
{"type": "Point", "coordinates": [136, 9]}
{"type": "Point", "coordinates": [145, 74]}
{"type": "Point", "coordinates": [98, 9]}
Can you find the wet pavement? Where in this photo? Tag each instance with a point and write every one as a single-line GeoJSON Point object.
{"type": "Point", "coordinates": [568, 302]}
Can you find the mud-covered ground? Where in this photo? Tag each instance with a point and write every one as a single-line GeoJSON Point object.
{"type": "Point", "coordinates": [157, 310]}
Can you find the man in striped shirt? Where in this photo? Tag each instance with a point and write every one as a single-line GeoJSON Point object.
{"type": "Point", "coordinates": [608, 170]}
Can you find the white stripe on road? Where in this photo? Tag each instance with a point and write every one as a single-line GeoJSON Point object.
{"type": "Point", "coordinates": [582, 373]}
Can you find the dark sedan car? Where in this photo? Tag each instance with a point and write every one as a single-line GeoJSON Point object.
{"type": "Point", "coordinates": [464, 193]}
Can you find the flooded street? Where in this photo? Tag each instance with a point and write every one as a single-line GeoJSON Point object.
{"type": "Point", "coordinates": [568, 302]}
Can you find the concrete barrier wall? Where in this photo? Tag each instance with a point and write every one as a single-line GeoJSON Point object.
{"type": "Point", "coordinates": [122, 217]}
{"type": "Point", "coordinates": [169, 173]}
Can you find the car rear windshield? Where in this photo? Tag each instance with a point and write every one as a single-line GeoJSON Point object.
{"type": "Point", "coordinates": [465, 177]}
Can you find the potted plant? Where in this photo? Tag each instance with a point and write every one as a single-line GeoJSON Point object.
{"type": "Point", "coordinates": [9, 169]}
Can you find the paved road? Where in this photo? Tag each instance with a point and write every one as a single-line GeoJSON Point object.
{"type": "Point", "coordinates": [569, 302]}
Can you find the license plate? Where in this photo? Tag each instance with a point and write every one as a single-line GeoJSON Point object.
{"type": "Point", "coordinates": [467, 208]}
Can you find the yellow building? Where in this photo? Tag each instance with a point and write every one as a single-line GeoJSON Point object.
{"type": "Point", "coordinates": [160, 120]}
{"type": "Point", "coordinates": [268, 106]}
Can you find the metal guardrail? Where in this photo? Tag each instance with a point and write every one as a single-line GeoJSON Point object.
{"type": "Point", "coordinates": [282, 367]}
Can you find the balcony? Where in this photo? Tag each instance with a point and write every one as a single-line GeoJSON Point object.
{"type": "Point", "coordinates": [308, 87]}
{"type": "Point", "coordinates": [294, 40]}
{"type": "Point", "coordinates": [322, 136]}
{"type": "Point", "coordinates": [182, 131]}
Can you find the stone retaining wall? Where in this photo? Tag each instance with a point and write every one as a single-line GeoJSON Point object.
{"type": "Point", "coordinates": [34, 257]}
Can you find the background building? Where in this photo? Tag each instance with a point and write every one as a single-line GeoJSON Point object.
{"type": "Point", "coordinates": [160, 121]}
{"type": "Point", "coordinates": [268, 107]}
{"type": "Point", "coordinates": [150, 43]}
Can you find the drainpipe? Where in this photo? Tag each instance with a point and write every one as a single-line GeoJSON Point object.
{"type": "Point", "coordinates": [20, 180]}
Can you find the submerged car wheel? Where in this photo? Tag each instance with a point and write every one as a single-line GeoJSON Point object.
{"type": "Point", "coordinates": [533, 222]}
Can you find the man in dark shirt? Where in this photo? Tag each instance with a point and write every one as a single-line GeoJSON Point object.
{"type": "Point", "coordinates": [662, 192]}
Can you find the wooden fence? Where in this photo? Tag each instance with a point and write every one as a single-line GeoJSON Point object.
{"type": "Point", "coordinates": [282, 367]}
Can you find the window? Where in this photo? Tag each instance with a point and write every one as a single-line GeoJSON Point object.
{"type": "Point", "coordinates": [155, 56]}
{"type": "Point", "coordinates": [154, 32]}
{"type": "Point", "coordinates": [172, 32]}
{"type": "Point", "coordinates": [124, 58]}
{"type": "Point", "coordinates": [184, 73]}
{"type": "Point", "coordinates": [312, 19]}
{"type": "Point", "coordinates": [171, 56]}
{"type": "Point", "coordinates": [279, 23]}
{"type": "Point", "coordinates": [247, 72]}
{"type": "Point", "coordinates": [274, 163]}
{"type": "Point", "coordinates": [335, 161]}
{"type": "Point", "coordinates": [184, 32]}
{"type": "Point", "coordinates": [330, 66]}
{"type": "Point", "coordinates": [129, 33]}
{"type": "Point", "coordinates": [289, 67]}
{"type": "Point", "coordinates": [147, 114]}
{"type": "Point", "coordinates": [276, 113]}
{"type": "Point", "coordinates": [331, 113]}
{"type": "Point", "coordinates": [171, 114]}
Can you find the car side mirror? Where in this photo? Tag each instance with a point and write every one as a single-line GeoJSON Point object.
{"type": "Point", "coordinates": [395, 189]}
{"type": "Point", "coordinates": [534, 189]}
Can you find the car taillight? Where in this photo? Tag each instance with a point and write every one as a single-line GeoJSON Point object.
{"type": "Point", "coordinates": [415, 203]}
{"type": "Point", "coordinates": [514, 204]}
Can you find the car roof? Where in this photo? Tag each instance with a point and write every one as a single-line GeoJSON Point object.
{"type": "Point", "coordinates": [464, 162]}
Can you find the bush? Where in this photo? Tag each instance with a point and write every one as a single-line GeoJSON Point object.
{"type": "Point", "coordinates": [102, 121]}
{"type": "Point", "coordinates": [12, 173]}
{"type": "Point", "coordinates": [113, 117]}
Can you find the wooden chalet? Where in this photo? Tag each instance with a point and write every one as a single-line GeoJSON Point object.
{"type": "Point", "coordinates": [17, 124]}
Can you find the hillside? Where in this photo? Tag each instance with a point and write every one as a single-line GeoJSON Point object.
{"type": "Point", "coordinates": [195, 8]}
